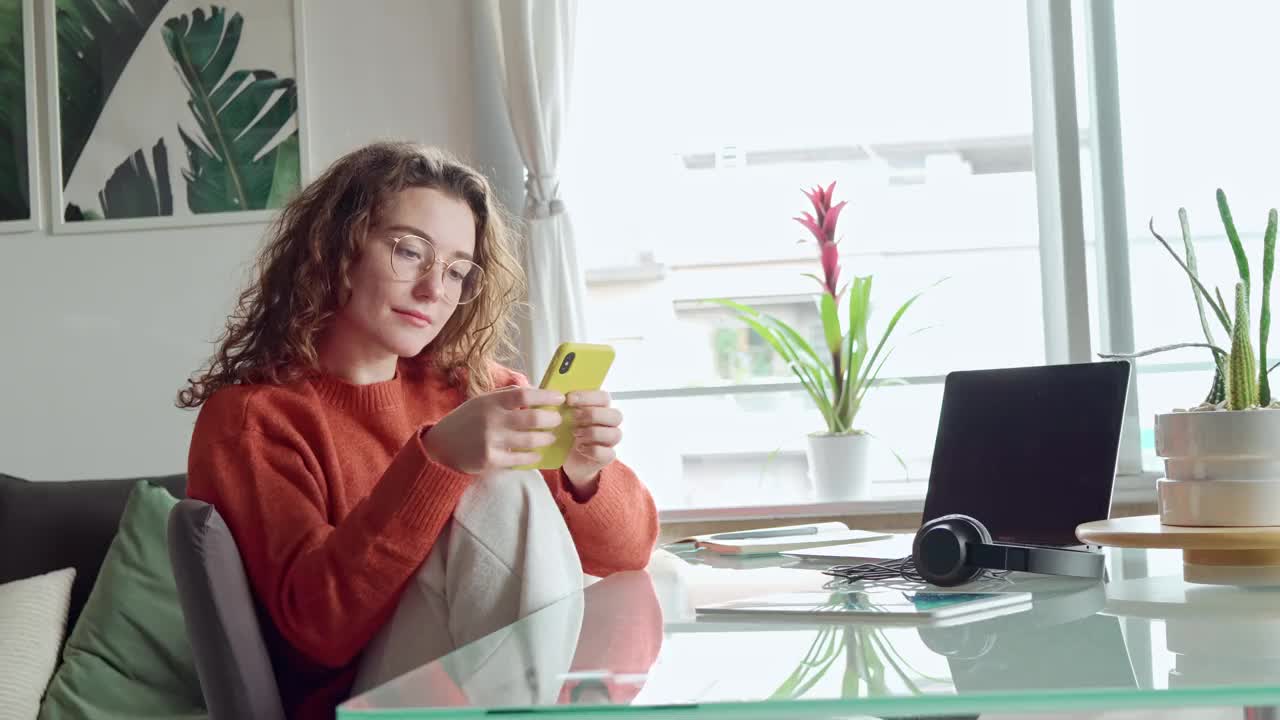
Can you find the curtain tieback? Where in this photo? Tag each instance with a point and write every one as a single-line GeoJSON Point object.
{"type": "Point", "coordinates": [542, 195]}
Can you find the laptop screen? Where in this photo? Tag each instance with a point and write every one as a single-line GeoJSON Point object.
{"type": "Point", "coordinates": [1030, 452]}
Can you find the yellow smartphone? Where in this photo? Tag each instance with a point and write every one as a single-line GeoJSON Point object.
{"type": "Point", "coordinates": [574, 367]}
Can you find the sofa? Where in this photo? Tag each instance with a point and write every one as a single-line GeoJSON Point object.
{"type": "Point", "coordinates": [46, 527]}
{"type": "Point", "coordinates": [64, 524]}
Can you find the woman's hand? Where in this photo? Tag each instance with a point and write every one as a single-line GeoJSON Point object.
{"type": "Point", "coordinates": [597, 431]}
{"type": "Point", "coordinates": [494, 431]}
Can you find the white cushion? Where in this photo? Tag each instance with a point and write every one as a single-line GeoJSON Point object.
{"type": "Point", "coordinates": [33, 620]}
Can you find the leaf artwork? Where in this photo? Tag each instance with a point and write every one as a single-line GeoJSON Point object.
{"type": "Point", "coordinates": [133, 191]}
{"type": "Point", "coordinates": [96, 39]}
{"type": "Point", "coordinates": [233, 166]}
{"type": "Point", "coordinates": [15, 198]}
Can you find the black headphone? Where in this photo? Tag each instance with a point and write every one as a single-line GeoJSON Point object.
{"type": "Point", "coordinates": [956, 549]}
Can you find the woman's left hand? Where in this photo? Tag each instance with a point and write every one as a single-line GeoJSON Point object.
{"type": "Point", "coordinates": [597, 431]}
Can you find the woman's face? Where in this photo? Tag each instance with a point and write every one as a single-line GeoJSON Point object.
{"type": "Point", "coordinates": [392, 307]}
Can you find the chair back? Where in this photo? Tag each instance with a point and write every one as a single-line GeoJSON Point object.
{"type": "Point", "coordinates": [231, 657]}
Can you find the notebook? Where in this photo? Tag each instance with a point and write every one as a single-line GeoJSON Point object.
{"type": "Point", "coordinates": [774, 540]}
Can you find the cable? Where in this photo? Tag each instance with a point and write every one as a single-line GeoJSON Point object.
{"type": "Point", "coordinates": [901, 569]}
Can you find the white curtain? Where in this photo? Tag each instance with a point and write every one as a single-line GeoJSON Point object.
{"type": "Point", "coordinates": [534, 44]}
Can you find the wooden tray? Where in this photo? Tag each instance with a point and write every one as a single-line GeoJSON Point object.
{"type": "Point", "coordinates": [1210, 555]}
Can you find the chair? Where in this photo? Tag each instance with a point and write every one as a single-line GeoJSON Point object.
{"type": "Point", "coordinates": [231, 658]}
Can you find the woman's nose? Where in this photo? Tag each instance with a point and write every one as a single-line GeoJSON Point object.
{"type": "Point", "coordinates": [431, 284]}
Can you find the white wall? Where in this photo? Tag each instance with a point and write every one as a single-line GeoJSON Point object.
{"type": "Point", "coordinates": [98, 332]}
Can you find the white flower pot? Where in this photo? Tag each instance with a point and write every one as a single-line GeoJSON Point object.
{"type": "Point", "coordinates": [838, 466]}
{"type": "Point", "coordinates": [1222, 468]}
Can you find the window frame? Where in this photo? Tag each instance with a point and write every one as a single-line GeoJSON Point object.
{"type": "Point", "coordinates": [1057, 143]}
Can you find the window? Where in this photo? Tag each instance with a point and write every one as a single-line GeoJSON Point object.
{"type": "Point", "coordinates": [1191, 122]}
{"type": "Point", "coordinates": [683, 171]}
{"type": "Point", "coordinates": [694, 126]}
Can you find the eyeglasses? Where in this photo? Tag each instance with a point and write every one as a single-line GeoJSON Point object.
{"type": "Point", "coordinates": [413, 257]}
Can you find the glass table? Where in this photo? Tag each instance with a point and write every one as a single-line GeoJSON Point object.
{"type": "Point", "coordinates": [632, 644]}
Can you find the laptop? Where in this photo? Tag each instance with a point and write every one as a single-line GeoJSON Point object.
{"type": "Point", "coordinates": [1030, 452]}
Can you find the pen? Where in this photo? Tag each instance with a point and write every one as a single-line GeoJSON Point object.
{"type": "Point", "coordinates": [778, 532]}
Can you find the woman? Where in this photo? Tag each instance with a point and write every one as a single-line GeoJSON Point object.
{"type": "Point", "coordinates": [358, 437]}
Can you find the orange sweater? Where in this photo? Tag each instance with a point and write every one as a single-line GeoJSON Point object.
{"type": "Point", "coordinates": [334, 504]}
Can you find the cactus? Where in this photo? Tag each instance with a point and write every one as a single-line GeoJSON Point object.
{"type": "Point", "coordinates": [1264, 319]}
{"type": "Point", "coordinates": [1240, 377]}
{"type": "Point", "coordinates": [1218, 390]}
{"type": "Point", "coordinates": [1233, 237]}
{"type": "Point", "coordinates": [1242, 387]}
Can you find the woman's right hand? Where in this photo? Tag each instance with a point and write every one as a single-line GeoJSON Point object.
{"type": "Point", "coordinates": [494, 431]}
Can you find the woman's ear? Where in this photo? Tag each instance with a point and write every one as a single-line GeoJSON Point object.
{"type": "Point", "coordinates": [347, 265]}
{"type": "Point", "coordinates": [344, 289]}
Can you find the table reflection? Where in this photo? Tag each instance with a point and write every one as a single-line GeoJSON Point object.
{"type": "Point", "coordinates": [1217, 635]}
{"type": "Point", "coordinates": [633, 639]}
{"type": "Point", "coordinates": [1060, 643]}
{"type": "Point", "coordinates": [589, 648]}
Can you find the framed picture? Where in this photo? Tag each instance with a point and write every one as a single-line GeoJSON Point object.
{"type": "Point", "coordinates": [19, 161]}
{"type": "Point", "coordinates": [173, 113]}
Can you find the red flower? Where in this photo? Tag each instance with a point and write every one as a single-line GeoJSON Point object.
{"type": "Point", "coordinates": [823, 229]}
{"type": "Point", "coordinates": [831, 267]}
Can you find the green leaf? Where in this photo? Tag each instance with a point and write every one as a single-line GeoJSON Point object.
{"type": "Point", "coordinates": [795, 342]}
{"type": "Point", "coordinates": [804, 352]}
{"type": "Point", "coordinates": [1218, 388]}
{"type": "Point", "coordinates": [867, 377]}
{"type": "Point", "coordinates": [855, 347]}
{"type": "Point", "coordinates": [132, 191]}
{"type": "Point", "coordinates": [288, 175]}
{"type": "Point", "coordinates": [831, 329]}
{"type": "Point", "coordinates": [1219, 308]}
{"type": "Point", "coordinates": [1190, 249]}
{"type": "Point", "coordinates": [822, 652]}
{"type": "Point", "coordinates": [872, 370]}
{"type": "Point", "coordinates": [858, 320]}
{"type": "Point", "coordinates": [96, 39]}
{"type": "Point", "coordinates": [821, 283]}
{"type": "Point", "coordinates": [830, 322]}
{"type": "Point", "coordinates": [872, 374]}
{"type": "Point", "coordinates": [1237, 248]}
{"type": "Point", "coordinates": [1264, 319]}
{"type": "Point", "coordinates": [780, 345]}
{"type": "Point", "coordinates": [804, 363]}
{"type": "Point", "coordinates": [233, 166]}
{"type": "Point", "coordinates": [1217, 351]}
{"type": "Point", "coordinates": [15, 197]}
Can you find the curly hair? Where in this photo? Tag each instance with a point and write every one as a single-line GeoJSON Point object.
{"type": "Point", "coordinates": [303, 274]}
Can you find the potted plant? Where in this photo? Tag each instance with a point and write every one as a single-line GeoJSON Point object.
{"type": "Point", "coordinates": [1222, 456]}
{"type": "Point", "coordinates": [837, 376]}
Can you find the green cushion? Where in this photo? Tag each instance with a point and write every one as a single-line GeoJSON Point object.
{"type": "Point", "coordinates": [128, 655]}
